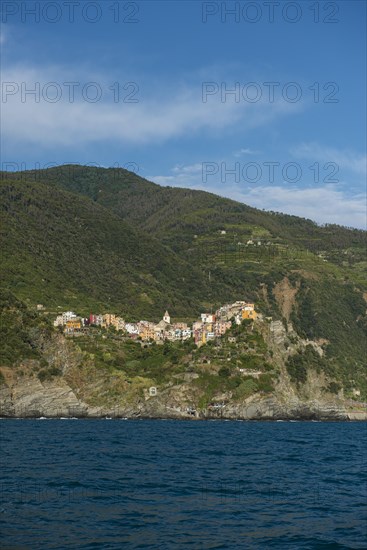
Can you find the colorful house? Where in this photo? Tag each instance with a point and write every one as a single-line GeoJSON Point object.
{"type": "Point", "coordinates": [207, 318]}
{"type": "Point", "coordinates": [73, 325]}
{"type": "Point", "coordinates": [248, 312]}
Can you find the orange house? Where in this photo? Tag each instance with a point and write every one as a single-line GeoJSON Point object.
{"type": "Point", "coordinates": [74, 323]}
{"type": "Point", "coordinates": [248, 312]}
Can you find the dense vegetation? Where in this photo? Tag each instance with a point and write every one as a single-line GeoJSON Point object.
{"type": "Point", "coordinates": [21, 330]}
{"type": "Point", "coordinates": [175, 215]}
{"type": "Point", "coordinates": [64, 250]}
{"type": "Point", "coordinates": [99, 240]}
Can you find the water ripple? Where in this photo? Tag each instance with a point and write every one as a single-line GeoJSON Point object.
{"type": "Point", "coordinates": [165, 485]}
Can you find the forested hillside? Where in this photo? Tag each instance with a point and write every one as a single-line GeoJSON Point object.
{"type": "Point", "coordinates": [176, 215]}
{"type": "Point", "coordinates": [64, 250]}
{"type": "Point", "coordinates": [107, 240]}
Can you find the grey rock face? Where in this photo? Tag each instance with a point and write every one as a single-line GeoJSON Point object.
{"type": "Point", "coordinates": [31, 398]}
{"type": "Point", "coordinates": [28, 397]}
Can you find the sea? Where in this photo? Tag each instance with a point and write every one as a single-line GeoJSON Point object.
{"type": "Point", "coordinates": [166, 484]}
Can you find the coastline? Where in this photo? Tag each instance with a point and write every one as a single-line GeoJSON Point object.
{"type": "Point", "coordinates": [132, 419]}
{"type": "Point", "coordinates": [342, 416]}
{"type": "Point", "coordinates": [28, 398]}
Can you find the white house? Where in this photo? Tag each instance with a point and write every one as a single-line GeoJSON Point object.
{"type": "Point", "coordinates": [58, 322]}
{"type": "Point", "coordinates": [132, 328]}
{"type": "Point", "coordinates": [186, 334]}
{"type": "Point", "coordinates": [207, 318]}
{"type": "Point", "coordinates": [99, 320]}
{"type": "Point", "coordinates": [68, 316]}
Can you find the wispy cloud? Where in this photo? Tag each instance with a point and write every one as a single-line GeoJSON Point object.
{"type": "Point", "coordinates": [346, 159]}
{"type": "Point", "coordinates": [245, 151]}
{"type": "Point", "coordinates": [182, 176]}
{"type": "Point", "coordinates": [153, 118]}
{"type": "Point", "coordinates": [323, 204]}
{"type": "Point", "coordinates": [327, 204]}
{"type": "Point", "coordinates": [189, 169]}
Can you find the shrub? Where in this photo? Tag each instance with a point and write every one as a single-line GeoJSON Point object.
{"type": "Point", "coordinates": [42, 375]}
{"type": "Point", "coordinates": [224, 372]}
{"type": "Point", "coordinates": [245, 389]}
{"type": "Point", "coordinates": [2, 379]}
{"type": "Point", "coordinates": [48, 374]}
{"type": "Point", "coordinates": [297, 370]}
{"type": "Point", "coordinates": [265, 383]}
{"type": "Point", "coordinates": [334, 387]}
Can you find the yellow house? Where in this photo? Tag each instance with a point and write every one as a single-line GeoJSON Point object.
{"type": "Point", "coordinates": [119, 323]}
{"type": "Point", "coordinates": [108, 319]}
{"type": "Point", "coordinates": [74, 324]}
{"type": "Point", "coordinates": [248, 312]}
{"type": "Point", "coordinates": [147, 333]}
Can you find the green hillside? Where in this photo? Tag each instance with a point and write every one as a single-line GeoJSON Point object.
{"type": "Point", "coordinates": [21, 330]}
{"type": "Point", "coordinates": [175, 215]}
{"type": "Point", "coordinates": [106, 239]}
{"type": "Point", "coordinates": [64, 250]}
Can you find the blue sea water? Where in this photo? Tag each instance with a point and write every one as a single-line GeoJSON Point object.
{"type": "Point", "coordinates": [155, 484]}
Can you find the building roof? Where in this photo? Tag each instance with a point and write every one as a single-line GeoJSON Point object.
{"type": "Point", "coordinates": [162, 324]}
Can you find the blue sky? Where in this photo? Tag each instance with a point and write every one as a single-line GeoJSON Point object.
{"type": "Point", "coordinates": [259, 101]}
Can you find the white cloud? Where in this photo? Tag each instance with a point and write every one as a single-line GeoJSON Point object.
{"type": "Point", "coordinates": [152, 119]}
{"type": "Point", "coordinates": [179, 180]}
{"type": "Point", "coordinates": [344, 158]}
{"type": "Point", "coordinates": [246, 151]}
{"type": "Point", "coordinates": [323, 204]}
{"type": "Point", "coordinates": [182, 176]}
{"type": "Point", "coordinates": [327, 204]}
{"type": "Point", "coordinates": [189, 169]}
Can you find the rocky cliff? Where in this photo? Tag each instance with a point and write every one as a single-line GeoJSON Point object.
{"type": "Point", "coordinates": [27, 397]}
{"type": "Point", "coordinates": [262, 370]}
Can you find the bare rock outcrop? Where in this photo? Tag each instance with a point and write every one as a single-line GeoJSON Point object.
{"type": "Point", "coordinates": [29, 398]}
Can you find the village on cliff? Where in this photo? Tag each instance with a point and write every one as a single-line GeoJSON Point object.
{"type": "Point", "coordinates": [209, 327]}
